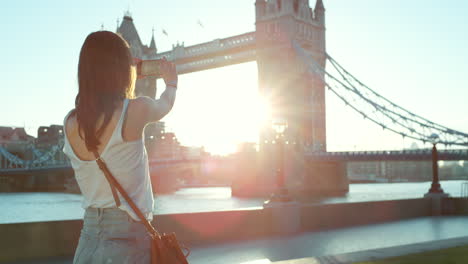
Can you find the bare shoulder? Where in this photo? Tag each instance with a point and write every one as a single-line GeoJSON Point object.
{"type": "Point", "coordinates": [138, 110]}
{"type": "Point", "coordinates": [71, 123]}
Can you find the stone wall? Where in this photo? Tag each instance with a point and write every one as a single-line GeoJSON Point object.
{"type": "Point", "coordinates": [33, 241]}
{"type": "Point", "coordinates": [329, 216]}
{"type": "Point", "coordinates": [455, 206]}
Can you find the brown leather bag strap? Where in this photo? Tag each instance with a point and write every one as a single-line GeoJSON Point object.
{"type": "Point", "coordinates": [114, 183]}
{"type": "Point", "coordinates": [114, 192]}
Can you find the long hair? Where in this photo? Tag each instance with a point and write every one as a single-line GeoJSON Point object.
{"type": "Point", "coordinates": [105, 77]}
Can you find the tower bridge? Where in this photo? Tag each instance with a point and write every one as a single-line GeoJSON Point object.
{"type": "Point", "coordinates": [213, 54]}
{"type": "Point", "coordinates": [289, 47]}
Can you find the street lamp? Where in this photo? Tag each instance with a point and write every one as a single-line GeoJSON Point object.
{"type": "Point", "coordinates": [435, 187]}
{"type": "Point", "coordinates": [281, 194]}
{"type": "Point", "coordinates": [279, 125]}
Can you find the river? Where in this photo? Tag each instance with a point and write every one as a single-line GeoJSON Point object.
{"type": "Point", "coordinates": [35, 207]}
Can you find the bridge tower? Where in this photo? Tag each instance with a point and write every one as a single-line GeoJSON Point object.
{"type": "Point", "coordinates": [294, 93]}
{"type": "Point", "coordinates": [127, 29]}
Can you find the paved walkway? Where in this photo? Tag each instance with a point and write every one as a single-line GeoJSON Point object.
{"type": "Point", "coordinates": [381, 253]}
{"type": "Point", "coordinates": [327, 243]}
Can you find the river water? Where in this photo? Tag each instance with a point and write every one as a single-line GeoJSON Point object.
{"type": "Point", "coordinates": [35, 207]}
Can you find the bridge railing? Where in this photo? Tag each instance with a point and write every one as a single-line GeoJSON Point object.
{"type": "Point", "coordinates": [418, 154]}
{"type": "Point", "coordinates": [27, 165]}
{"type": "Point", "coordinates": [50, 158]}
{"type": "Point", "coordinates": [217, 61]}
{"type": "Point", "coordinates": [464, 190]}
{"type": "Point", "coordinates": [179, 52]}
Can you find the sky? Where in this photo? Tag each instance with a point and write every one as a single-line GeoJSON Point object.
{"type": "Point", "coordinates": [412, 52]}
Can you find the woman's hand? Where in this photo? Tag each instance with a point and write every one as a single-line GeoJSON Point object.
{"type": "Point", "coordinates": [169, 72]}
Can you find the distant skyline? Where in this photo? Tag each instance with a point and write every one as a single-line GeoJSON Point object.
{"type": "Point", "coordinates": [412, 52]}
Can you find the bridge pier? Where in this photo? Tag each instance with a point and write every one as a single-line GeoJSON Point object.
{"type": "Point", "coordinates": [324, 178]}
{"type": "Point", "coordinates": [303, 176]}
{"type": "Point", "coordinates": [37, 180]}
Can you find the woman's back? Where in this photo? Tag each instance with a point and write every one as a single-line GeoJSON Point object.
{"type": "Point", "coordinates": [132, 129]}
{"type": "Point", "coordinates": [122, 148]}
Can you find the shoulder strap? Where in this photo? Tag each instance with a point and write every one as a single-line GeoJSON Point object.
{"type": "Point", "coordinates": [114, 183]}
{"type": "Point", "coordinates": [66, 117]}
{"type": "Point", "coordinates": [101, 166]}
{"type": "Point", "coordinates": [123, 116]}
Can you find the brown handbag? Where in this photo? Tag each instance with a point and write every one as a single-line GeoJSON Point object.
{"type": "Point", "coordinates": [165, 249]}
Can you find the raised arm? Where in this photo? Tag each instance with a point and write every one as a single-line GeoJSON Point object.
{"type": "Point", "coordinates": [154, 110]}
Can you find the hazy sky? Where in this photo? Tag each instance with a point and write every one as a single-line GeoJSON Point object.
{"type": "Point", "coordinates": [413, 52]}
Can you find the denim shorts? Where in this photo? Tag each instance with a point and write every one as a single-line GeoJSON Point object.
{"type": "Point", "coordinates": [110, 235]}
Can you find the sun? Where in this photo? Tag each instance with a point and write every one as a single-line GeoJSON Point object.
{"type": "Point", "coordinates": [220, 109]}
{"type": "Point", "coordinates": [238, 123]}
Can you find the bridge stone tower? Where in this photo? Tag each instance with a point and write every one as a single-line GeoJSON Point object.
{"type": "Point", "coordinates": [295, 94]}
{"type": "Point", "coordinates": [127, 29]}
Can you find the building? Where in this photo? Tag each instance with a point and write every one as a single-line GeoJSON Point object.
{"type": "Point", "coordinates": [193, 152]}
{"type": "Point", "coordinates": [453, 170]}
{"type": "Point", "coordinates": [10, 135]}
{"type": "Point", "coordinates": [168, 146]}
{"type": "Point", "coordinates": [48, 136]}
{"type": "Point", "coordinates": [16, 141]}
{"type": "Point", "coordinates": [153, 133]}
{"type": "Point", "coordinates": [388, 171]}
{"type": "Point", "coordinates": [366, 171]}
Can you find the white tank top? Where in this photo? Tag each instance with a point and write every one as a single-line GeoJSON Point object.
{"type": "Point", "coordinates": [128, 163]}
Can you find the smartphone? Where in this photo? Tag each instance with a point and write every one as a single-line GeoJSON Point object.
{"type": "Point", "coordinates": [149, 68]}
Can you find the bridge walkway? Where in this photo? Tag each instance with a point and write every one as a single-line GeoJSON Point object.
{"type": "Point", "coordinates": [324, 243]}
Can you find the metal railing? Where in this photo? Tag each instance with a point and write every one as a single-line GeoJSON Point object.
{"type": "Point", "coordinates": [464, 190]}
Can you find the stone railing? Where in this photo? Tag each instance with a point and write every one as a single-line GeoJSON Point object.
{"type": "Point", "coordinates": [180, 52]}
{"type": "Point", "coordinates": [217, 61]}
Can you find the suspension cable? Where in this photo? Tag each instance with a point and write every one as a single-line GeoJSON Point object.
{"type": "Point", "coordinates": [405, 120]}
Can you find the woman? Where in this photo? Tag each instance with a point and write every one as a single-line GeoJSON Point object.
{"type": "Point", "coordinates": [108, 118]}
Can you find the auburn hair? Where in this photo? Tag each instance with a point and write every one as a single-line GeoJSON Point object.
{"type": "Point", "coordinates": [106, 77]}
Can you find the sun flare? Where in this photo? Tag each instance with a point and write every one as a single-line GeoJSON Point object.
{"type": "Point", "coordinates": [219, 117]}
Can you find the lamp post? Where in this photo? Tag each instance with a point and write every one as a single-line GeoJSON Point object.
{"type": "Point", "coordinates": [435, 193]}
{"type": "Point", "coordinates": [285, 212]}
{"type": "Point", "coordinates": [435, 186]}
{"type": "Point", "coordinates": [281, 194]}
